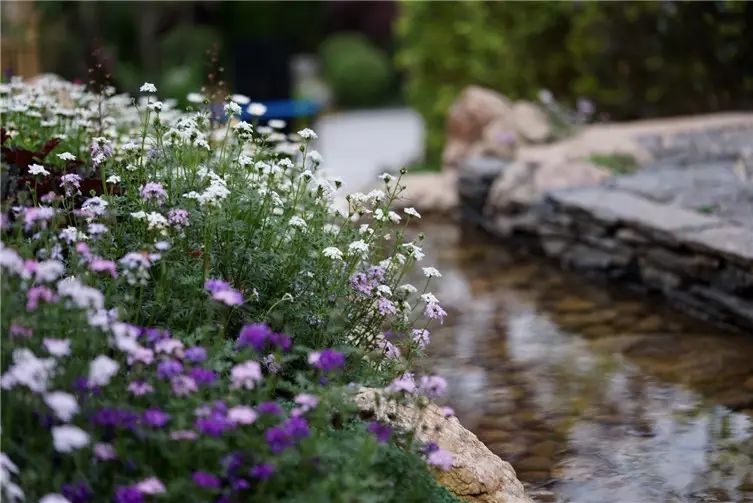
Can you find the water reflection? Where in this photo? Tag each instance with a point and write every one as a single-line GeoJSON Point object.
{"type": "Point", "coordinates": [592, 394]}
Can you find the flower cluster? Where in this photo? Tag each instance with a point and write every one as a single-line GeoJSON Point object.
{"type": "Point", "coordinates": [187, 302]}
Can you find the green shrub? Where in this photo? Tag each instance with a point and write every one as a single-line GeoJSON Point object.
{"type": "Point", "coordinates": [358, 72]}
{"type": "Point", "coordinates": [632, 59]}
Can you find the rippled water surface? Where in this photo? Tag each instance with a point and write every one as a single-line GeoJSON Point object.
{"type": "Point", "coordinates": [594, 394]}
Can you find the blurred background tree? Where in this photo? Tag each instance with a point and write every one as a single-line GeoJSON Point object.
{"type": "Point", "coordinates": [632, 59]}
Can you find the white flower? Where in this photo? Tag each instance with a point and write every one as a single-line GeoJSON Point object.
{"type": "Point", "coordinates": [57, 347]}
{"type": "Point", "coordinates": [429, 298]}
{"type": "Point", "coordinates": [412, 212]}
{"type": "Point", "coordinates": [431, 272]}
{"type": "Point", "coordinates": [54, 498]}
{"type": "Point", "coordinates": [358, 247]}
{"type": "Point", "coordinates": [384, 290]}
{"type": "Point", "coordinates": [195, 98]}
{"type": "Point", "coordinates": [49, 270]}
{"type": "Point", "coordinates": [67, 156]}
{"type": "Point", "coordinates": [414, 251]}
{"type": "Point", "coordinates": [38, 169]}
{"type": "Point", "coordinates": [63, 404]}
{"type": "Point", "coordinates": [95, 205]}
{"type": "Point", "coordinates": [394, 217]}
{"type": "Point", "coordinates": [241, 99]}
{"type": "Point", "coordinates": [29, 371]}
{"type": "Point", "coordinates": [332, 253]}
{"type": "Point", "coordinates": [139, 215]}
{"type": "Point", "coordinates": [156, 106]}
{"type": "Point", "coordinates": [113, 179]}
{"type": "Point", "coordinates": [298, 222]}
{"type": "Point", "coordinates": [258, 110]}
{"type": "Point", "coordinates": [386, 177]}
{"type": "Point", "coordinates": [274, 123]}
{"type": "Point", "coordinates": [156, 221]}
{"type": "Point", "coordinates": [307, 134]}
{"type": "Point", "coordinates": [67, 438]}
{"type": "Point", "coordinates": [407, 288]}
{"type": "Point", "coordinates": [232, 108]}
{"type": "Point", "coordinates": [101, 370]}
{"type": "Point", "coordinates": [148, 87]}
{"type": "Point", "coordinates": [364, 228]}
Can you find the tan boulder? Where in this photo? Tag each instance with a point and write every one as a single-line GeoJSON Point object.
{"type": "Point", "coordinates": [429, 192]}
{"type": "Point", "coordinates": [531, 122]}
{"type": "Point", "coordinates": [468, 116]}
{"type": "Point", "coordinates": [477, 475]}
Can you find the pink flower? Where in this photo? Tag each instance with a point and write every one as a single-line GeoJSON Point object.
{"type": "Point", "coordinates": [102, 265]}
{"type": "Point", "coordinates": [104, 451]}
{"type": "Point", "coordinates": [241, 414]}
{"type": "Point", "coordinates": [246, 375]}
{"type": "Point", "coordinates": [441, 459]}
{"type": "Point", "coordinates": [140, 388]}
{"type": "Point", "coordinates": [152, 485]}
{"type": "Point", "coordinates": [434, 311]}
{"type": "Point", "coordinates": [183, 385]}
{"type": "Point", "coordinates": [37, 293]}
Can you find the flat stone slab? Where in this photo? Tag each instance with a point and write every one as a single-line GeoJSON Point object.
{"type": "Point", "coordinates": [617, 206]}
{"type": "Point", "coordinates": [732, 241]}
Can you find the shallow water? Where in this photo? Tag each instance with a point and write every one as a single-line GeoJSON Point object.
{"type": "Point", "coordinates": [593, 393]}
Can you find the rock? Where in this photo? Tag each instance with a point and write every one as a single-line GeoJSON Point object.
{"type": "Point", "coordinates": [477, 474]}
{"type": "Point", "coordinates": [475, 178]}
{"type": "Point", "coordinates": [430, 192]}
{"type": "Point", "coordinates": [523, 183]}
{"type": "Point", "coordinates": [474, 109]}
{"type": "Point", "coordinates": [499, 138]}
{"type": "Point", "coordinates": [531, 122]}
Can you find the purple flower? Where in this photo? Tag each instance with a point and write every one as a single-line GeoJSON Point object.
{"type": "Point", "coordinates": [128, 494]}
{"type": "Point", "coordinates": [381, 431]}
{"type": "Point", "coordinates": [433, 386]}
{"type": "Point", "coordinates": [153, 191]}
{"type": "Point", "coordinates": [327, 359]}
{"type": "Point", "coordinates": [386, 306]}
{"type": "Point", "coordinates": [434, 311]}
{"type": "Point", "coordinates": [77, 492]}
{"type": "Point", "coordinates": [214, 425]}
{"type": "Point", "coordinates": [281, 341]}
{"type": "Point", "coordinates": [183, 385]}
{"type": "Point", "coordinates": [155, 417]}
{"type": "Point", "coordinates": [278, 439]}
{"type": "Point", "coordinates": [115, 418]}
{"type": "Point", "coordinates": [297, 427]}
{"type": "Point", "coordinates": [271, 408]}
{"type": "Point", "coordinates": [169, 368]}
{"type": "Point", "coordinates": [239, 484]}
{"type": "Point", "coordinates": [178, 218]}
{"type": "Point", "coordinates": [255, 335]}
{"type": "Point", "coordinates": [216, 285]}
{"type": "Point", "coordinates": [140, 388]}
{"type": "Point", "coordinates": [202, 376]}
{"type": "Point", "coordinates": [221, 291]}
{"type": "Point", "coordinates": [205, 480]}
{"type": "Point", "coordinates": [441, 459]}
{"type": "Point", "coordinates": [196, 354]}
{"type": "Point", "coordinates": [262, 471]}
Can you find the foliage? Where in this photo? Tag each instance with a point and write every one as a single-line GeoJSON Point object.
{"type": "Point", "coordinates": [190, 327]}
{"type": "Point", "coordinates": [617, 163]}
{"type": "Point", "coordinates": [632, 59]}
{"type": "Point", "coordinates": [358, 72]}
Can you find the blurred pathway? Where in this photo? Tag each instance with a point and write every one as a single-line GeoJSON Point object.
{"type": "Point", "coordinates": [358, 146]}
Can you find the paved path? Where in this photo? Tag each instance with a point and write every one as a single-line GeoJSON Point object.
{"type": "Point", "coordinates": [360, 145]}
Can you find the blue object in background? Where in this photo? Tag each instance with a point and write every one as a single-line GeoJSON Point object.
{"type": "Point", "coordinates": [284, 109]}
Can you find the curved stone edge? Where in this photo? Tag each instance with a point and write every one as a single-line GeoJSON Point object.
{"type": "Point", "coordinates": [477, 475]}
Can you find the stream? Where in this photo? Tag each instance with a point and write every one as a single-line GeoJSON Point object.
{"type": "Point", "coordinates": [593, 393]}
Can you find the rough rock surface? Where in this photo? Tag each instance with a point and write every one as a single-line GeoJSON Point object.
{"type": "Point", "coordinates": [531, 122]}
{"type": "Point", "coordinates": [474, 109]}
{"type": "Point", "coordinates": [430, 192]}
{"type": "Point", "coordinates": [477, 474]}
{"type": "Point", "coordinates": [682, 226]}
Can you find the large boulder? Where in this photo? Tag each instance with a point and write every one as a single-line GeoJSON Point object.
{"type": "Point", "coordinates": [474, 109]}
{"type": "Point", "coordinates": [531, 122]}
{"type": "Point", "coordinates": [477, 475]}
